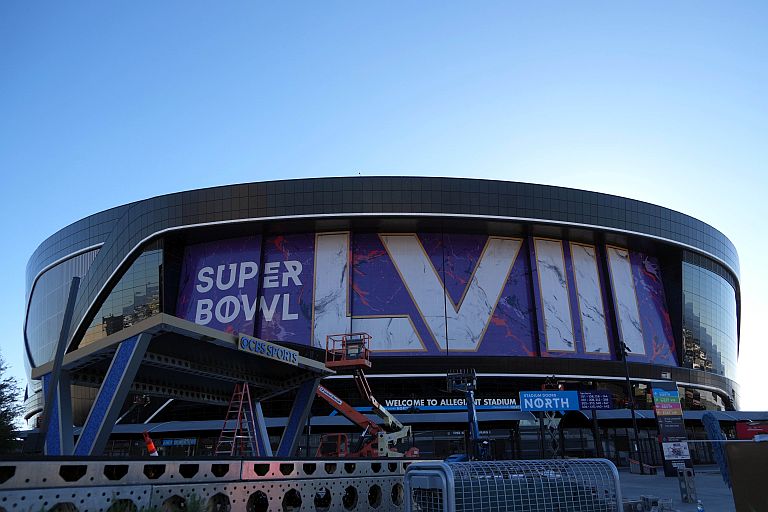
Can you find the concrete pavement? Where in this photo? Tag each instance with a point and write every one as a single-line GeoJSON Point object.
{"type": "Point", "coordinates": [711, 490]}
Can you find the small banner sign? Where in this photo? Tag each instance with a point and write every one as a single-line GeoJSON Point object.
{"type": "Point", "coordinates": [595, 400]}
{"type": "Point", "coordinates": [549, 401]}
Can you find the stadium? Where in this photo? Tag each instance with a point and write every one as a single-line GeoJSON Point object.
{"type": "Point", "coordinates": [135, 310]}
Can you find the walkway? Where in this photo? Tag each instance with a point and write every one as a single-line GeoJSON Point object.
{"type": "Point", "coordinates": [712, 491]}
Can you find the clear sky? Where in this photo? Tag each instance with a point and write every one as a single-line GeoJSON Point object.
{"type": "Point", "coordinates": [103, 103]}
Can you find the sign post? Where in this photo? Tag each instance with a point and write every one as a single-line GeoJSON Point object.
{"type": "Point", "coordinates": [669, 416]}
{"type": "Point", "coordinates": [547, 401]}
{"type": "Point", "coordinates": [596, 400]}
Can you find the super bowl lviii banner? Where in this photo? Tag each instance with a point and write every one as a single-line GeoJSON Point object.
{"type": "Point", "coordinates": [429, 293]}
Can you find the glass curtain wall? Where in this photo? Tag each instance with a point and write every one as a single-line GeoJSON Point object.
{"type": "Point", "coordinates": [710, 336]}
{"type": "Point", "coordinates": [46, 308]}
{"type": "Point", "coordinates": [134, 298]}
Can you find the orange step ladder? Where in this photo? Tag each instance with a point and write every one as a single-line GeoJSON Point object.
{"type": "Point", "coordinates": [238, 434]}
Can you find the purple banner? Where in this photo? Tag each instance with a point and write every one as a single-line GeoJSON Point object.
{"type": "Point", "coordinates": [430, 293]}
{"type": "Point", "coordinates": [511, 330]}
{"type": "Point", "coordinates": [219, 284]}
{"type": "Point", "coordinates": [377, 293]}
{"type": "Point", "coordinates": [462, 294]}
{"type": "Point", "coordinates": [652, 303]}
{"type": "Point", "coordinates": [286, 291]}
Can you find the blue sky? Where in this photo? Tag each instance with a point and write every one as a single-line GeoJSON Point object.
{"type": "Point", "coordinates": [102, 103]}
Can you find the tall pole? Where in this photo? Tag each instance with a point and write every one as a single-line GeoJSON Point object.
{"type": "Point", "coordinates": [596, 436]}
{"type": "Point", "coordinates": [631, 401]}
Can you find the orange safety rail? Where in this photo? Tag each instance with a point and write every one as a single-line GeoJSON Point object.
{"type": "Point", "coordinates": [348, 351]}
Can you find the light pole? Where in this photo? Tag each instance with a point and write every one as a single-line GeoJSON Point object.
{"type": "Point", "coordinates": [631, 401]}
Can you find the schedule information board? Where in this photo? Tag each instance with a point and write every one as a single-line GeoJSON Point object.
{"type": "Point", "coordinates": [595, 400]}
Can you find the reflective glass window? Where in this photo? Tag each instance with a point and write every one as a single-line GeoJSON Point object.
{"type": "Point", "coordinates": [710, 336]}
{"type": "Point", "coordinates": [135, 297]}
{"type": "Point", "coordinates": [46, 308]}
{"type": "Point", "coordinates": [701, 400]}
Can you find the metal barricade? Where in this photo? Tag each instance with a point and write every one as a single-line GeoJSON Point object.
{"type": "Point", "coordinates": [579, 485]}
{"type": "Point", "coordinates": [232, 485]}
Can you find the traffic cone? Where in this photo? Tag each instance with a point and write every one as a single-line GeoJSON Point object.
{"type": "Point", "coordinates": [150, 445]}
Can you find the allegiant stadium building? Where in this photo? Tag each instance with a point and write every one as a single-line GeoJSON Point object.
{"type": "Point", "coordinates": [517, 281]}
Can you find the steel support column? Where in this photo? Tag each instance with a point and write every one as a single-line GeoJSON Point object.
{"type": "Point", "coordinates": [59, 437]}
{"type": "Point", "coordinates": [298, 418]}
{"type": "Point", "coordinates": [111, 396]}
{"type": "Point", "coordinates": [262, 438]}
{"type": "Point", "coordinates": [57, 409]}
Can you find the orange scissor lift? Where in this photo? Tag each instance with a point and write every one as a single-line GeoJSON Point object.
{"type": "Point", "coordinates": [351, 352]}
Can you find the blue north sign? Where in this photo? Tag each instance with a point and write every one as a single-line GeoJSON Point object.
{"type": "Point", "coordinates": [549, 401]}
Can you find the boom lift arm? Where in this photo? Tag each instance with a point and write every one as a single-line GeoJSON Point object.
{"type": "Point", "coordinates": [376, 441]}
{"type": "Point", "coordinates": [351, 352]}
{"type": "Point", "coordinates": [349, 412]}
{"type": "Point", "coordinates": [391, 423]}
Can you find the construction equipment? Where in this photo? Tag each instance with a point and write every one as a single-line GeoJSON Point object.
{"type": "Point", "coordinates": [465, 381]}
{"type": "Point", "coordinates": [238, 434]}
{"type": "Point", "coordinates": [345, 352]}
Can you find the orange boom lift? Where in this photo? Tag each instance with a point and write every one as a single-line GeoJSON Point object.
{"type": "Point", "coordinates": [345, 352]}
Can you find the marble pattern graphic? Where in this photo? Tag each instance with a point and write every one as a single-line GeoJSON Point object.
{"type": "Point", "coordinates": [553, 288]}
{"type": "Point", "coordinates": [379, 300]}
{"type": "Point", "coordinates": [331, 314]}
{"type": "Point", "coordinates": [590, 297]}
{"type": "Point", "coordinates": [627, 311]}
{"type": "Point", "coordinates": [464, 322]}
{"type": "Point", "coordinates": [432, 293]}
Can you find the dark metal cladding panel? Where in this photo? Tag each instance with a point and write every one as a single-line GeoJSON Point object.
{"type": "Point", "coordinates": [121, 229]}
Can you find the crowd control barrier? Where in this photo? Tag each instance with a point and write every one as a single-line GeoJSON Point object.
{"type": "Point", "coordinates": [578, 485]}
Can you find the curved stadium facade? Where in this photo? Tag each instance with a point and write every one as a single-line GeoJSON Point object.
{"type": "Point", "coordinates": [518, 281]}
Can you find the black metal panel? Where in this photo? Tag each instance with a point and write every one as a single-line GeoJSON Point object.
{"type": "Point", "coordinates": [123, 228]}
